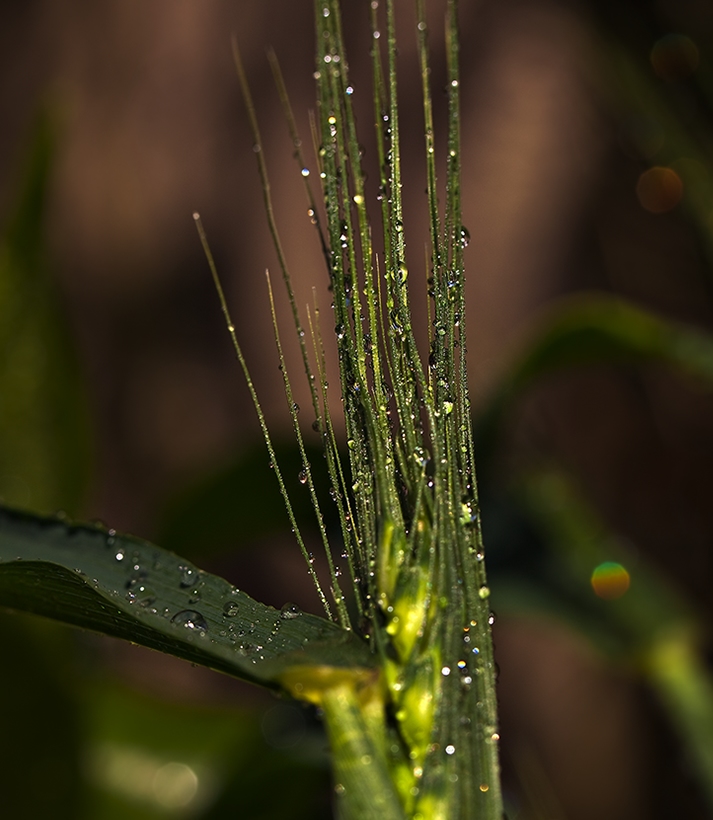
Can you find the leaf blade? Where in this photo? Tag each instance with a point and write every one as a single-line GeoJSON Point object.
{"type": "Point", "coordinates": [128, 588]}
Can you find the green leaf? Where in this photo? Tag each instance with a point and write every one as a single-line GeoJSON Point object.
{"type": "Point", "coordinates": [681, 677]}
{"type": "Point", "coordinates": [41, 735]}
{"type": "Point", "coordinates": [362, 778]}
{"type": "Point", "coordinates": [647, 623]}
{"type": "Point", "coordinates": [597, 329]}
{"type": "Point", "coordinates": [150, 758]}
{"type": "Point", "coordinates": [631, 620]}
{"type": "Point", "coordinates": [128, 588]}
{"type": "Point", "coordinates": [43, 417]}
{"type": "Point", "coordinates": [241, 503]}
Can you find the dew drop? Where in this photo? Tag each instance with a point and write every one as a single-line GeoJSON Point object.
{"type": "Point", "coordinates": [302, 476]}
{"type": "Point", "coordinates": [484, 592]}
{"type": "Point", "coordinates": [450, 749]}
{"type": "Point", "coordinates": [231, 609]}
{"type": "Point", "coordinates": [464, 237]}
{"type": "Point", "coordinates": [188, 576]}
{"type": "Point", "coordinates": [290, 611]}
{"type": "Point", "coordinates": [305, 172]}
{"type": "Point", "coordinates": [120, 554]}
{"type": "Point", "coordinates": [191, 619]}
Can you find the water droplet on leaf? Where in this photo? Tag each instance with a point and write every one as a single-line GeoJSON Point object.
{"type": "Point", "coordinates": [190, 619]}
{"type": "Point", "coordinates": [188, 576]}
{"type": "Point", "coordinates": [290, 611]}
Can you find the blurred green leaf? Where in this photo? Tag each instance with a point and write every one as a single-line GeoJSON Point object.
{"type": "Point", "coordinates": [44, 458]}
{"type": "Point", "coordinates": [44, 450]}
{"type": "Point", "coordinates": [633, 619]}
{"type": "Point", "coordinates": [130, 589]}
{"type": "Point", "coordinates": [597, 329]}
{"type": "Point", "coordinates": [152, 758]}
{"type": "Point", "coordinates": [684, 685]}
{"type": "Point", "coordinates": [41, 736]}
{"type": "Point", "coordinates": [648, 624]}
{"type": "Point", "coordinates": [241, 502]}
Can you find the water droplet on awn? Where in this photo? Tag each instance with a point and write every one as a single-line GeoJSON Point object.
{"type": "Point", "coordinates": [231, 609]}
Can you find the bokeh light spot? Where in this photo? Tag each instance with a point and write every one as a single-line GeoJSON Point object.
{"type": "Point", "coordinates": [175, 785]}
{"type": "Point", "coordinates": [659, 190]}
{"type": "Point", "coordinates": [674, 57]}
{"type": "Point", "coordinates": [610, 580]}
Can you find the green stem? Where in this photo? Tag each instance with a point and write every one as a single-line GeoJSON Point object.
{"type": "Point", "coordinates": [362, 779]}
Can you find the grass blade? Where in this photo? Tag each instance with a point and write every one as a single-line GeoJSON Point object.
{"type": "Point", "coordinates": [128, 588]}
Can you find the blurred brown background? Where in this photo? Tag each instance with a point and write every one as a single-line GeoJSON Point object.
{"type": "Point", "coordinates": [151, 127]}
